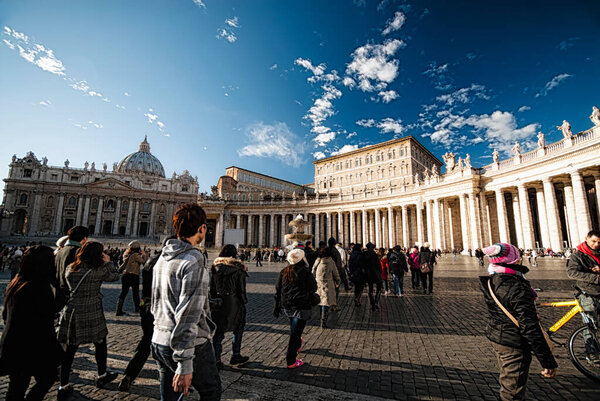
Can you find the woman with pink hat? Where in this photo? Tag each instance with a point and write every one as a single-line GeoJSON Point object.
{"type": "Point", "coordinates": [513, 325]}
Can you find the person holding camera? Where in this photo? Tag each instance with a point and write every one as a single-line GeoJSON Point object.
{"type": "Point", "coordinates": [133, 259]}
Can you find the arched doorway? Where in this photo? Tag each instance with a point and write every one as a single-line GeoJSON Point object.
{"type": "Point", "coordinates": [20, 221]}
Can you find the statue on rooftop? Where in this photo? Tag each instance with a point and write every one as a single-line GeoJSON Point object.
{"type": "Point", "coordinates": [595, 117]}
{"type": "Point", "coordinates": [496, 156]}
{"type": "Point", "coordinates": [566, 129]}
{"type": "Point", "coordinates": [517, 149]}
{"type": "Point", "coordinates": [67, 163]}
{"type": "Point", "coordinates": [468, 161]}
{"type": "Point", "coordinates": [541, 140]}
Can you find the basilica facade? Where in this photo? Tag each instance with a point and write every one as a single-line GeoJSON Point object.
{"type": "Point", "coordinates": [395, 192]}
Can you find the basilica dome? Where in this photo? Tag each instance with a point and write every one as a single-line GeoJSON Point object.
{"type": "Point", "coordinates": [142, 161]}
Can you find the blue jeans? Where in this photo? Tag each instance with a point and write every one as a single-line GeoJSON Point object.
{"type": "Point", "coordinates": [398, 284]}
{"type": "Point", "coordinates": [296, 328]}
{"type": "Point", "coordinates": [206, 378]}
{"type": "Point", "coordinates": [236, 343]}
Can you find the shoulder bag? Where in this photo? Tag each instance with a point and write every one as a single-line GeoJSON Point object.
{"type": "Point", "coordinates": [514, 320]}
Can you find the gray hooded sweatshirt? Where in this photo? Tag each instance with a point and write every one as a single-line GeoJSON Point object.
{"type": "Point", "coordinates": [180, 302]}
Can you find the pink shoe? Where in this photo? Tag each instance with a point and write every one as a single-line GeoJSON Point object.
{"type": "Point", "coordinates": [296, 364]}
{"type": "Point", "coordinates": [301, 343]}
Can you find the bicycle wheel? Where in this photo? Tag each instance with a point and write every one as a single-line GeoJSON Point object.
{"type": "Point", "coordinates": [585, 358]}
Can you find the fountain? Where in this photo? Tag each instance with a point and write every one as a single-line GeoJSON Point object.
{"type": "Point", "coordinates": [298, 225]}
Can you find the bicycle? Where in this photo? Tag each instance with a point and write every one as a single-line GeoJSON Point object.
{"type": "Point", "coordinates": [585, 355]}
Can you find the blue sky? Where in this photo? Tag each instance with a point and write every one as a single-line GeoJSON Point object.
{"type": "Point", "coordinates": [272, 85]}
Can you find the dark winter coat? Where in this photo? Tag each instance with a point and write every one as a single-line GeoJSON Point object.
{"type": "Point", "coordinates": [295, 295]}
{"type": "Point", "coordinates": [356, 267]}
{"type": "Point", "coordinates": [426, 256]}
{"type": "Point", "coordinates": [398, 264]}
{"type": "Point", "coordinates": [372, 267]}
{"type": "Point", "coordinates": [62, 259]}
{"type": "Point", "coordinates": [228, 283]}
{"type": "Point", "coordinates": [82, 320]}
{"type": "Point", "coordinates": [579, 267]}
{"type": "Point", "coordinates": [516, 295]}
{"type": "Point", "coordinates": [28, 343]}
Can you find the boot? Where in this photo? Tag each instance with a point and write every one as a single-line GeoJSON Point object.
{"type": "Point", "coordinates": [119, 307]}
{"type": "Point", "coordinates": [324, 316]}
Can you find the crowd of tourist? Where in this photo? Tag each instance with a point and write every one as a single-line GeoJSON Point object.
{"type": "Point", "coordinates": [53, 303]}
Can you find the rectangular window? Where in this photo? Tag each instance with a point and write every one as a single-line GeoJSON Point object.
{"type": "Point", "coordinates": [74, 178]}
{"type": "Point", "coordinates": [27, 173]}
{"type": "Point", "coordinates": [55, 177]}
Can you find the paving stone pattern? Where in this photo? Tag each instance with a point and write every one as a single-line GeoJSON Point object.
{"type": "Point", "coordinates": [418, 347]}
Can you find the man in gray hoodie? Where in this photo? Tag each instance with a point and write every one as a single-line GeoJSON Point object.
{"type": "Point", "coordinates": [181, 343]}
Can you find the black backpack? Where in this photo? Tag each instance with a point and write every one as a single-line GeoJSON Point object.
{"type": "Point", "coordinates": [355, 267]}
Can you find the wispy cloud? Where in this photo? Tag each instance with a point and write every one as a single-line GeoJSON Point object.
{"type": "Point", "coordinates": [344, 149]}
{"type": "Point", "coordinates": [34, 53]}
{"type": "Point", "coordinates": [524, 108]}
{"type": "Point", "coordinates": [394, 23]}
{"type": "Point", "coordinates": [386, 125]}
{"type": "Point", "coordinates": [388, 96]}
{"type": "Point", "coordinates": [126, 93]}
{"type": "Point", "coordinates": [568, 43]}
{"type": "Point", "coordinates": [372, 67]}
{"type": "Point", "coordinates": [553, 83]}
{"type": "Point", "coordinates": [273, 67]}
{"type": "Point", "coordinates": [199, 3]}
{"type": "Point", "coordinates": [273, 141]}
{"type": "Point", "coordinates": [228, 31]}
{"type": "Point", "coordinates": [319, 155]}
{"type": "Point", "coordinates": [464, 95]}
{"type": "Point", "coordinates": [45, 103]}
{"type": "Point", "coordinates": [86, 125]}
{"type": "Point", "coordinates": [439, 75]}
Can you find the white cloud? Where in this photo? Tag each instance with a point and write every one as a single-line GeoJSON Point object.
{"type": "Point", "coordinates": [524, 108]}
{"type": "Point", "coordinates": [464, 95]}
{"type": "Point", "coordinates": [126, 93]}
{"type": "Point", "coordinates": [325, 137]}
{"type": "Point", "coordinates": [553, 83]}
{"type": "Point", "coordinates": [199, 3]}
{"type": "Point", "coordinates": [89, 124]}
{"type": "Point", "coordinates": [344, 149]}
{"type": "Point", "coordinates": [568, 43]}
{"type": "Point", "coordinates": [233, 22]}
{"type": "Point", "coordinates": [319, 155]}
{"type": "Point", "coordinates": [386, 125]}
{"type": "Point", "coordinates": [388, 96]}
{"type": "Point", "coordinates": [439, 75]}
{"type": "Point", "coordinates": [34, 53]}
{"type": "Point", "coordinates": [372, 67]}
{"type": "Point", "coordinates": [395, 23]}
{"type": "Point", "coordinates": [151, 116]}
{"type": "Point", "coordinates": [307, 64]}
{"type": "Point", "coordinates": [360, 3]}
{"type": "Point", "coordinates": [351, 135]}
{"type": "Point", "coordinates": [227, 34]}
{"type": "Point", "coordinates": [45, 103]}
{"type": "Point", "coordinates": [161, 125]}
{"type": "Point", "coordinates": [273, 67]}
{"type": "Point", "coordinates": [118, 106]}
{"type": "Point", "coordinates": [273, 141]}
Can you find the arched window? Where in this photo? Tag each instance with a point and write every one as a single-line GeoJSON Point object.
{"type": "Point", "coordinates": [50, 201]}
{"type": "Point", "coordinates": [94, 204]}
{"type": "Point", "coordinates": [72, 201]}
{"type": "Point", "coordinates": [110, 205]}
{"type": "Point", "coordinates": [23, 199]}
{"type": "Point", "coordinates": [162, 208]}
{"type": "Point", "coordinates": [125, 206]}
{"type": "Point", "coordinates": [146, 207]}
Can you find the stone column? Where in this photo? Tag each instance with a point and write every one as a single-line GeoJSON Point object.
{"type": "Point", "coordinates": [405, 227]}
{"type": "Point", "coordinates": [502, 216]}
{"type": "Point", "coordinates": [582, 210]}
{"type": "Point", "coordinates": [364, 227]}
{"type": "Point", "coordinates": [317, 230]}
{"type": "Point", "coordinates": [352, 229]}
{"type": "Point", "coordinates": [59, 213]}
{"type": "Point", "coordinates": [371, 227]}
{"type": "Point", "coordinates": [136, 217]}
{"type": "Point", "coordinates": [392, 240]}
{"type": "Point", "coordinates": [340, 236]}
{"type": "Point", "coordinates": [464, 222]}
{"type": "Point", "coordinates": [86, 211]}
{"type": "Point", "coordinates": [272, 231]}
{"type": "Point", "coordinates": [151, 221]}
{"type": "Point", "coordinates": [552, 215]}
{"type": "Point", "coordinates": [261, 231]}
{"type": "Point", "coordinates": [115, 230]}
{"type": "Point", "coordinates": [428, 213]}
{"type": "Point", "coordinates": [443, 224]}
{"type": "Point", "coordinates": [542, 217]}
{"type": "Point", "coordinates": [34, 226]}
{"type": "Point", "coordinates": [79, 211]}
{"type": "Point", "coordinates": [219, 232]}
{"type": "Point", "coordinates": [98, 227]}
{"type": "Point", "coordinates": [437, 243]}
{"type": "Point", "coordinates": [378, 240]}
{"type": "Point", "coordinates": [451, 227]}
{"type": "Point", "coordinates": [420, 223]}
{"type": "Point", "coordinates": [129, 215]}
{"type": "Point", "coordinates": [526, 220]}
{"type": "Point", "coordinates": [328, 228]}
{"type": "Point", "coordinates": [518, 226]}
{"type": "Point", "coordinates": [475, 217]}
{"type": "Point", "coordinates": [571, 219]}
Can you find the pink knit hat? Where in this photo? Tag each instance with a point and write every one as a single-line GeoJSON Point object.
{"type": "Point", "coordinates": [502, 253]}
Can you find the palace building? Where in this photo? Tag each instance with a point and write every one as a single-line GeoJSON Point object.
{"type": "Point", "coordinates": [395, 192]}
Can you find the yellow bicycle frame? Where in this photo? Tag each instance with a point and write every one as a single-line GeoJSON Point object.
{"type": "Point", "coordinates": [563, 320]}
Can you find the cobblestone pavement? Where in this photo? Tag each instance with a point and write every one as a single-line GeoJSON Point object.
{"type": "Point", "coordinates": [418, 347]}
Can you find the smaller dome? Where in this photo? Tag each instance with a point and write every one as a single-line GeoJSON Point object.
{"type": "Point", "coordinates": [142, 161]}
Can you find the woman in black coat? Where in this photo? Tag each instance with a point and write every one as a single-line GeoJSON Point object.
{"type": "Point", "coordinates": [28, 346]}
{"type": "Point", "coordinates": [293, 293]}
{"type": "Point", "coordinates": [228, 283]}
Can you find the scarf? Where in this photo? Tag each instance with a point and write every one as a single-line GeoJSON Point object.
{"type": "Point", "coordinates": [584, 247]}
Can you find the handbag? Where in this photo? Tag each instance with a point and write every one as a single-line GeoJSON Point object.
{"type": "Point", "coordinates": [314, 299]}
{"type": "Point", "coordinates": [425, 267]}
{"type": "Point", "coordinates": [512, 318]}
